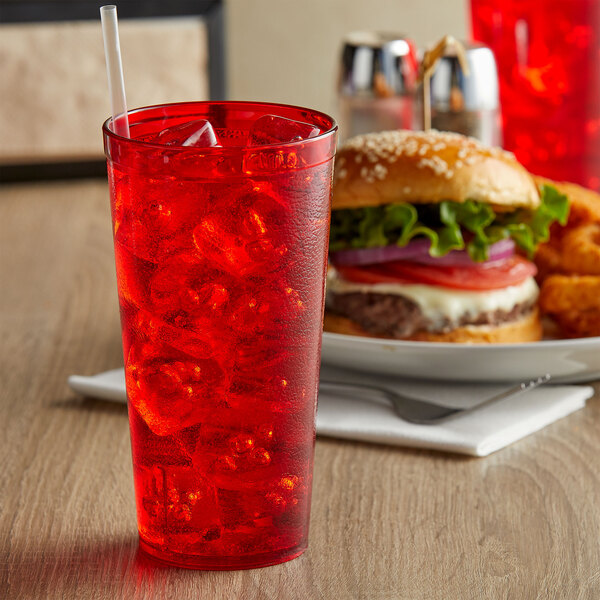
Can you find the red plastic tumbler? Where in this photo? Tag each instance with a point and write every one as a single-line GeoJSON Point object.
{"type": "Point", "coordinates": [221, 219]}
{"type": "Point", "coordinates": [548, 56]}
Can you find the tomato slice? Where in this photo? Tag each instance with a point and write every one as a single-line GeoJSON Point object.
{"type": "Point", "coordinates": [487, 276]}
{"type": "Point", "coordinates": [370, 274]}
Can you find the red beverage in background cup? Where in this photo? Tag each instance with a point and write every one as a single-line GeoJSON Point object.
{"type": "Point", "coordinates": [220, 248]}
{"type": "Point", "coordinates": [548, 56]}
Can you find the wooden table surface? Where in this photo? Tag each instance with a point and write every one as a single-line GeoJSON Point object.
{"type": "Point", "coordinates": [387, 522]}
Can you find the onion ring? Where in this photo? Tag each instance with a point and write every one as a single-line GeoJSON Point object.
{"type": "Point", "coordinates": [581, 250]}
{"type": "Point", "coordinates": [569, 265]}
{"type": "Point", "coordinates": [548, 259]}
{"type": "Point", "coordinates": [583, 203]}
{"type": "Point", "coordinates": [567, 293]}
{"type": "Point", "coordinates": [575, 323]}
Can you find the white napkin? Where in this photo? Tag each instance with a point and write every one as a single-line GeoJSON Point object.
{"type": "Point", "coordinates": [370, 418]}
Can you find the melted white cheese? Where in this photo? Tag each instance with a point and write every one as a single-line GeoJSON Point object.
{"type": "Point", "coordinates": [439, 303]}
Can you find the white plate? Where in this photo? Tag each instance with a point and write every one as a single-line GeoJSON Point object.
{"type": "Point", "coordinates": [566, 360]}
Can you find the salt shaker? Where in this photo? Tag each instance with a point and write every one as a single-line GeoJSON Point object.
{"type": "Point", "coordinates": [467, 103]}
{"type": "Point", "coordinates": [377, 83]}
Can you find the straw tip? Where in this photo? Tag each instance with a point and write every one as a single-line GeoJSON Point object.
{"type": "Point", "coordinates": [108, 8]}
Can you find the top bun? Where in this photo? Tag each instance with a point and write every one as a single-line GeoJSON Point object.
{"type": "Point", "coordinates": [425, 167]}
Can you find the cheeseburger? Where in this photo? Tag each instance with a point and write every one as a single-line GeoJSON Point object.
{"type": "Point", "coordinates": [430, 238]}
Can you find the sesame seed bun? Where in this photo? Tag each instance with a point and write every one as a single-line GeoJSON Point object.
{"type": "Point", "coordinates": [427, 167]}
{"type": "Point", "coordinates": [526, 329]}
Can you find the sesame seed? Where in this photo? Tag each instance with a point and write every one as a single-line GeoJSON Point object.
{"type": "Point", "coordinates": [380, 171]}
{"type": "Point", "coordinates": [435, 163]}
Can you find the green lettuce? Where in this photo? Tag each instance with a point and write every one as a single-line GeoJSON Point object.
{"type": "Point", "coordinates": [445, 224]}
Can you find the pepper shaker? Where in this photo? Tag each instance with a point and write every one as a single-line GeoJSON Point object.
{"type": "Point", "coordinates": [377, 83]}
{"type": "Point", "coordinates": [467, 103]}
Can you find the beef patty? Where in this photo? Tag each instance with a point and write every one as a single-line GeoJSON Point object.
{"type": "Point", "coordinates": [396, 316]}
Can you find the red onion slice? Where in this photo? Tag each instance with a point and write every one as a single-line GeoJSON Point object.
{"type": "Point", "coordinates": [460, 258]}
{"type": "Point", "coordinates": [418, 251]}
{"type": "Point", "coordinates": [381, 254]}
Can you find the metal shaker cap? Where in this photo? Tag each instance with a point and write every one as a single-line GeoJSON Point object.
{"type": "Point", "coordinates": [451, 90]}
{"type": "Point", "coordinates": [378, 65]}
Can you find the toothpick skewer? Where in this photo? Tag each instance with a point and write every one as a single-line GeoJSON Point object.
{"type": "Point", "coordinates": [427, 69]}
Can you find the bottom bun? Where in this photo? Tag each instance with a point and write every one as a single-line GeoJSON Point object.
{"type": "Point", "coordinates": [526, 329]}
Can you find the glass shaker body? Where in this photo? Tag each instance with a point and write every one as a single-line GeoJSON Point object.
{"type": "Point", "coordinates": [377, 84]}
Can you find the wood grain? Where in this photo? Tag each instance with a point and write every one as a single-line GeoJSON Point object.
{"type": "Point", "coordinates": [387, 523]}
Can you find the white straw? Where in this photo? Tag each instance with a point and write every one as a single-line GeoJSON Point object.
{"type": "Point", "coordinates": [114, 69]}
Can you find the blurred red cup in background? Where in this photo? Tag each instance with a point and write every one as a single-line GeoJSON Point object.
{"type": "Point", "coordinates": [548, 57]}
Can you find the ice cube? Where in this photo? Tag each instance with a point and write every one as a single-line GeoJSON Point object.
{"type": "Point", "coordinates": [251, 315]}
{"type": "Point", "coordinates": [247, 240]}
{"type": "Point", "coordinates": [160, 224]}
{"type": "Point", "coordinates": [169, 390]}
{"type": "Point", "coordinates": [181, 497]}
{"type": "Point", "coordinates": [188, 283]}
{"type": "Point", "coordinates": [271, 129]}
{"type": "Point", "coordinates": [132, 272]}
{"type": "Point", "coordinates": [194, 343]}
{"type": "Point", "coordinates": [198, 134]}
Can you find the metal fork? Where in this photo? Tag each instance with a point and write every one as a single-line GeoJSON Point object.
{"type": "Point", "coordinates": [423, 412]}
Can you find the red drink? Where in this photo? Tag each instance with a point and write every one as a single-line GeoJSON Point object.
{"type": "Point", "coordinates": [548, 56]}
{"type": "Point", "coordinates": [221, 258]}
